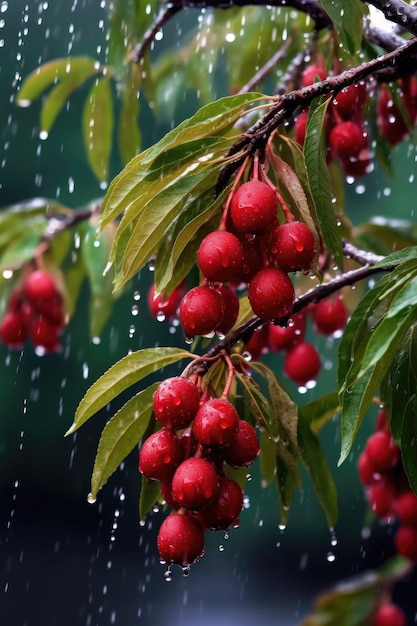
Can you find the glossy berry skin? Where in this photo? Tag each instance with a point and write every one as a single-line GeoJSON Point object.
{"type": "Point", "coordinates": [405, 508]}
{"type": "Point", "coordinates": [282, 338]}
{"type": "Point", "coordinates": [382, 452]}
{"type": "Point", "coordinates": [389, 615]}
{"type": "Point", "coordinates": [302, 363]}
{"type": "Point", "coordinates": [350, 101]}
{"type": "Point", "coordinates": [223, 512]}
{"type": "Point", "coordinates": [231, 307]}
{"type": "Point", "coordinates": [365, 470]}
{"type": "Point", "coordinates": [39, 285]}
{"type": "Point", "coordinates": [311, 74]}
{"type": "Point", "coordinates": [253, 208]}
{"type": "Point", "coordinates": [300, 127]}
{"type": "Point", "coordinates": [347, 139]}
{"type": "Point", "coordinates": [271, 294]}
{"type": "Point", "coordinates": [160, 455]}
{"type": "Point", "coordinates": [44, 334]}
{"type": "Point", "coordinates": [13, 331]}
{"type": "Point", "coordinates": [390, 121]}
{"type": "Point", "coordinates": [293, 246]}
{"type": "Point", "coordinates": [180, 539]}
{"type": "Point", "coordinates": [329, 316]}
{"type": "Point", "coordinates": [201, 311]}
{"type": "Point", "coordinates": [381, 497]}
{"type": "Point", "coordinates": [405, 540]}
{"type": "Point", "coordinates": [175, 402]}
{"type": "Point", "coordinates": [244, 448]}
{"type": "Point", "coordinates": [194, 484]}
{"type": "Point", "coordinates": [164, 307]}
{"type": "Point", "coordinates": [216, 423]}
{"type": "Point", "coordinates": [220, 256]}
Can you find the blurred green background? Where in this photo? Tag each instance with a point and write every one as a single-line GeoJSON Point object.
{"type": "Point", "coordinates": [64, 562]}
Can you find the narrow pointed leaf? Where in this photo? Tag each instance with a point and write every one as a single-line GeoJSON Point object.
{"type": "Point", "coordinates": [98, 120]}
{"type": "Point", "coordinates": [52, 73]}
{"type": "Point", "coordinates": [150, 493]}
{"type": "Point", "coordinates": [319, 179]}
{"type": "Point", "coordinates": [129, 133]}
{"type": "Point", "coordinates": [120, 436]}
{"type": "Point", "coordinates": [126, 372]}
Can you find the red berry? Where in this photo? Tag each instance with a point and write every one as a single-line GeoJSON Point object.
{"type": "Point", "coordinates": [389, 615]}
{"type": "Point", "coordinates": [300, 127]}
{"type": "Point", "coordinates": [302, 363]}
{"type": "Point", "coordinates": [13, 330]}
{"type": "Point", "coordinates": [405, 540]}
{"type": "Point", "coordinates": [180, 539]}
{"type": "Point", "coordinates": [43, 334]}
{"type": "Point", "coordinates": [258, 343]}
{"type": "Point", "coordinates": [223, 512]}
{"type": "Point", "coordinates": [201, 311]}
{"type": "Point", "coordinates": [164, 307]}
{"type": "Point", "coordinates": [366, 470]}
{"type": "Point", "coordinates": [253, 208]}
{"type": "Point", "coordinates": [282, 338]}
{"type": "Point", "coordinates": [347, 140]}
{"type": "Point", "coordinates": [195, 483]}
{"type": "Point", "coordinates": [52, 309]}
{"type": "Point", "coordinates": [357, 166]}
{"type": "Point", "coordinates": [390, 121]}
{"type": "Point", "coordinates": [230, 309]}
{"type": "Point", "coordinates": [216, 423]}
{"type": "Point", "coordinates": [175, 402]}
{"type": "Point", "coordinates": [382, 420]}
{"type": "Point", "coordinates": [293, 246]}
{"type": "Point", "coordinates": [382, 452]}
{"type": "Point", "coordinates": [405, 508]}
{"type": "Point", "coordinates": [160, 455]}
{"type": "Point", "coordinates": [244, 448]}
{"type": "Point", "coordinates": [220, 256]}
{"type": "Point", "coordinates": [311, 74]}
{"type": "Point", "coordinates": [330, 316]}
{"type": "Point", "coordinates": [271, 294]}
{"type": "Point", "coordinates": [350, 101]}
{"type": "Point", "coordinates": [39, 285]}
{"type": "Point", "coordinates": [381, 498]}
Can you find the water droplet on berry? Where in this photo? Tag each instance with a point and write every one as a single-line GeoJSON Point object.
{"type": "Point", "coordinates": [186, 571]}
{"type": "Point", "coordinates": [168, 575]}
{"type": "Point", "coordinates": [160, 316]}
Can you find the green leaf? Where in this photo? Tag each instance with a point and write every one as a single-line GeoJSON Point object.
{"type": "Point", "coordinates": [257, 403]}
{"type": "Point", "coordinates": [129, 133]}
{"type": "Point", "coordinates": [315, 462]}
{"type": "Point", "coordinates": [347, 16]}
{"type": "Point", "coordinates": [60, 94]}
{"type": "Point", "coordinates": [174, 155]}
{"type": "Point", "coordinates": [353, 602]}
{"type": "Point", "coordinates": [95, 252]}
{"type": "Point", "coordinates": [52, 73]}
{"type": "Point", "coordinates": [319, 178]}
{"type": "Point", "coordinates": [150, 493]}
{"type": "Point", "coordinates": [123, 374]}
{"type": "Point", "coordinates": [120, 435]}
{"type": "Point", "coordinates": [403, 389]}
{"type": "Point", "coordinates": [98, 120]}
{"type": "Point", "coordinates": [320, 411]}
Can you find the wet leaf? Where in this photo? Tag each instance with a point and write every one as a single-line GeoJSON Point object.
{"type": "Point", "coordinates": [52, 73]}
{"type": "Point", "coordinates": [123, 374]}
{"type": "Point", "coordinates": [319, 179]}
{"type": "Point", "coordinates": [320, 411]}
{"type": "Point", "coordinates": [315, 461]}
{"type": "Point", "coordinates": [150, 494]}
{"type": "Point", "coordinates": [403, 390]}
{"type": "Point", "coordinates": [347, 16]}
{"type": "Point", "coordinates": [129, 133]}
{"type": "Point", "coordinates": [98, 121]}
{"type": "Point", "coordinates": [120, 436]}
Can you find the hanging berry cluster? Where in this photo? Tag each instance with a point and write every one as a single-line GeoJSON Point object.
{"type": "Point", "coordinates": [347, 134]}
{"type": "Point", "coordinates": [199, 438]}
{"type": "Point", "coordinates": [382, 473]}
{"type": "Point", "coordinates": [35, 312]}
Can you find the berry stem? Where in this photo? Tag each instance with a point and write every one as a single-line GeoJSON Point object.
{"type": "Point", "coordinates": [230, 377]}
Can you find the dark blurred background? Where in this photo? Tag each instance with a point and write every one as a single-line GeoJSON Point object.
{"type": "Point", "coordinates": [65, 562]}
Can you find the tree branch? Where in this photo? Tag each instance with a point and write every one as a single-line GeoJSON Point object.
{"type": "Point", "coordinates": [399, 12]}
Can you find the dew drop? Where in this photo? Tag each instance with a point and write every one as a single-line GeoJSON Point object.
{"type": "Point", "coordinates": [91, 499]}
{"type": "Point", "coordinates": [331, 557]}
{"type": "Point", "coordinates": [168, 575]}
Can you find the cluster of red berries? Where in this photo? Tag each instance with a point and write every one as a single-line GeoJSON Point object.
{"type": "Point", "coordinates": [382, 473]}
{"type": "Point", "coordinates": [35, 312]}
{"type": "Point", "coordinates": [302, 361]}
{"type": "Point", "coordinates": [346, 131]}
{"type": "Point", "coordinates": [199, 437]}
{"type": "Point", "coordinates": [254, 251]}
